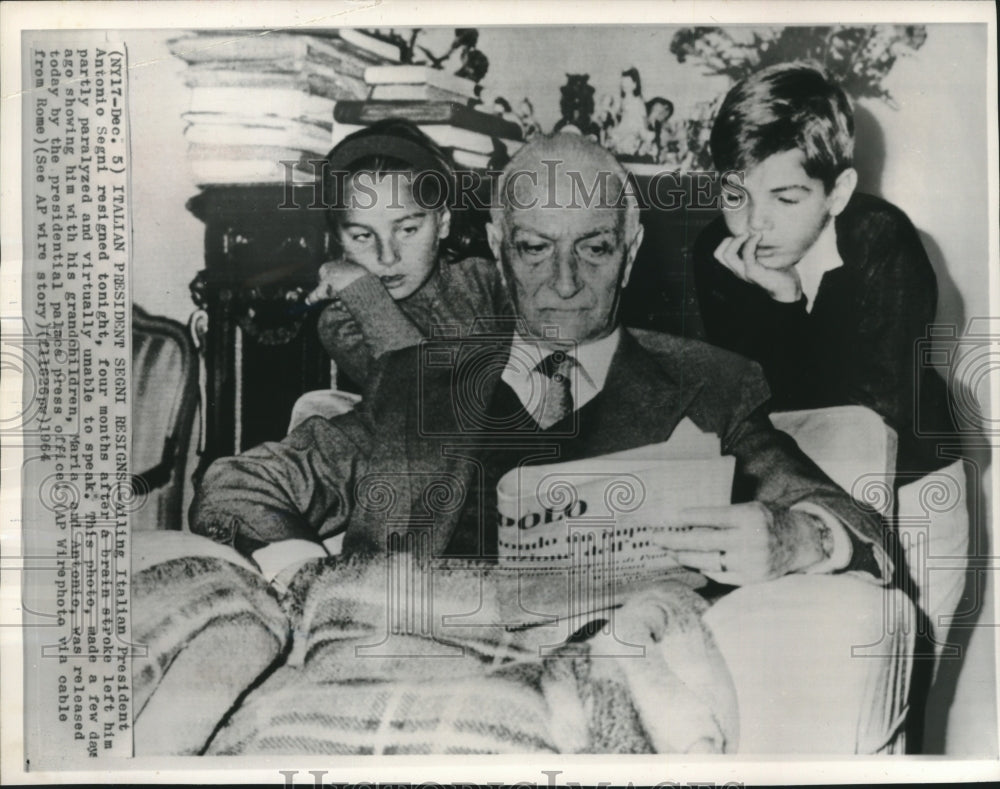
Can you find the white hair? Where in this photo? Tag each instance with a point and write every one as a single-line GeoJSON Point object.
{"type": "Point", "coordinates": [565, 149]}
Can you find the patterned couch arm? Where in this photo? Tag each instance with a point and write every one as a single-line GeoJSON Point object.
{"type": "Point", "coordinates": [164, 403]}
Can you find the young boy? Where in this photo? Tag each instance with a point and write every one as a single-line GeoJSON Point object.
{"type": "Point", "coordinates": [828, 289]}
{"type": "Point", "coordinates": [401, 268]}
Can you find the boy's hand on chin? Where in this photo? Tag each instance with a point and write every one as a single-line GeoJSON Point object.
{"type": "Point", "coordinates": [739, 255]}
{"type": "Point", "coordinates": [335, 276]}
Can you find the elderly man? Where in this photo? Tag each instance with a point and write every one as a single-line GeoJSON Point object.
{"type": "Point", "coordinates": [562, 381]}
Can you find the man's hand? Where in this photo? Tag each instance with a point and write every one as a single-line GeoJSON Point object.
{"type": "Point", "coordinates": [739, 255]}
{"type": "Point", "coordinates": [745, 543]}
{"type": "Point", "coordinates": [335, 276]}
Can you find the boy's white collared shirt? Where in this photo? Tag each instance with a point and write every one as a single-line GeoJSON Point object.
{"type": "Point", "coordinates": [820, 258]}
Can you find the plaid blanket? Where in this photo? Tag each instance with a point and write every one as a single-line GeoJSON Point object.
{"type": "Point", "coordinates": [210, 630]}
{"type": "Point", "coordinates": [392, 656]}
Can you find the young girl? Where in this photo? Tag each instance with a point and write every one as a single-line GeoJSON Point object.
{"type": "Point", "coordinates": [401, 268]}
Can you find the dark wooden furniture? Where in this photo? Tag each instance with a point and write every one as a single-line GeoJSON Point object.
{"type": "Point", "coordinates": [263, 248]}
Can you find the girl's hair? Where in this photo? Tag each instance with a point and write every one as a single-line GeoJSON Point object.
{"type": "Point", "coordinates": [395, 145]}
{"type": "Point", "coordinates": [633, 74]}
{"type": "Point", "coordinates": [789, 106]}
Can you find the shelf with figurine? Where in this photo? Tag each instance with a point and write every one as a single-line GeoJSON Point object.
{"type": "Point", "coordinates": [642, 134]}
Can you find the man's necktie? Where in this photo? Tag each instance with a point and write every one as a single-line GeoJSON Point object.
{"type": "Point", "coordinates": [558, 402]}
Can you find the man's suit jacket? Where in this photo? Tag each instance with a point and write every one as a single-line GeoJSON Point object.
{"type": "Point", "coordinates": [405, 457]}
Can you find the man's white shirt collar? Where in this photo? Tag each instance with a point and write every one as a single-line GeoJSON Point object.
{"type": "Point", "coordinates": [820, 258]}
{"type": "Point", "coordinates": [593, 362]}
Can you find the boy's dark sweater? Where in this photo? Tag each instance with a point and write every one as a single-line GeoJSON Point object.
{"type": "Point", "coordinates": [860, 343]}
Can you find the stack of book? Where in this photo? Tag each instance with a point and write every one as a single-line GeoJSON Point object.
{"type": "Point", "coordinates": [262, 103]}
{"type": "Point", "coordinates": [438, 103]}
{"type": "Point", "coordinates": [417, 83]}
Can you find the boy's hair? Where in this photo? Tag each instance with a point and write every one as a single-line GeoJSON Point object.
{"type": "Point", "coordinates": [789, 106]}
{"type": "Point", "coordinates": [394, 145]}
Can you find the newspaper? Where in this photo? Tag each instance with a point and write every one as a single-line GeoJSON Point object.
{"type": "Point", "coordinates": [597, 520]}
{"type": "Point", "coordinates": [582, 535]}
{"type": "Point", "coordinates": [101, 217]}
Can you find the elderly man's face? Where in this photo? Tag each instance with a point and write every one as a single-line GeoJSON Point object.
{"type": "Point", "coordinates": [564, 266]}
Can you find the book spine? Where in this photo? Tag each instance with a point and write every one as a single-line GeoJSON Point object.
{"type": "Point", "coordinates": [346, 59]}
{"type": "Point", "coordinates": [274, 52]}
{"type": "Point", "coordinates": [228, 152]}
{"type": "Point", "coordinates": [454, 137]}
{"type": "Point", "coordinates": [366, 112]}
{"type": "Point", "coordinates": [236, 134]}
{"type": "Point", "coordinates": [420, 75]}
{"type": "Point", "coordinates": [336, 88]}
{"type": "Point", "coordinates": [422, 112]}
{"type": "Point", "coordinates": [395, 75]}
{"type": "Point", "coordinates": [377, 48]}
{"type": "Point", "coordinates": [469, 148]}
{"type": "Point", "coordinates": [211, 172]}
{"type": "Point", "coordinates": [281, 102]}
{"type": "Point", "coordinates": [414, 93]}
{"type": "Point", "coordinates": [206, 48]}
